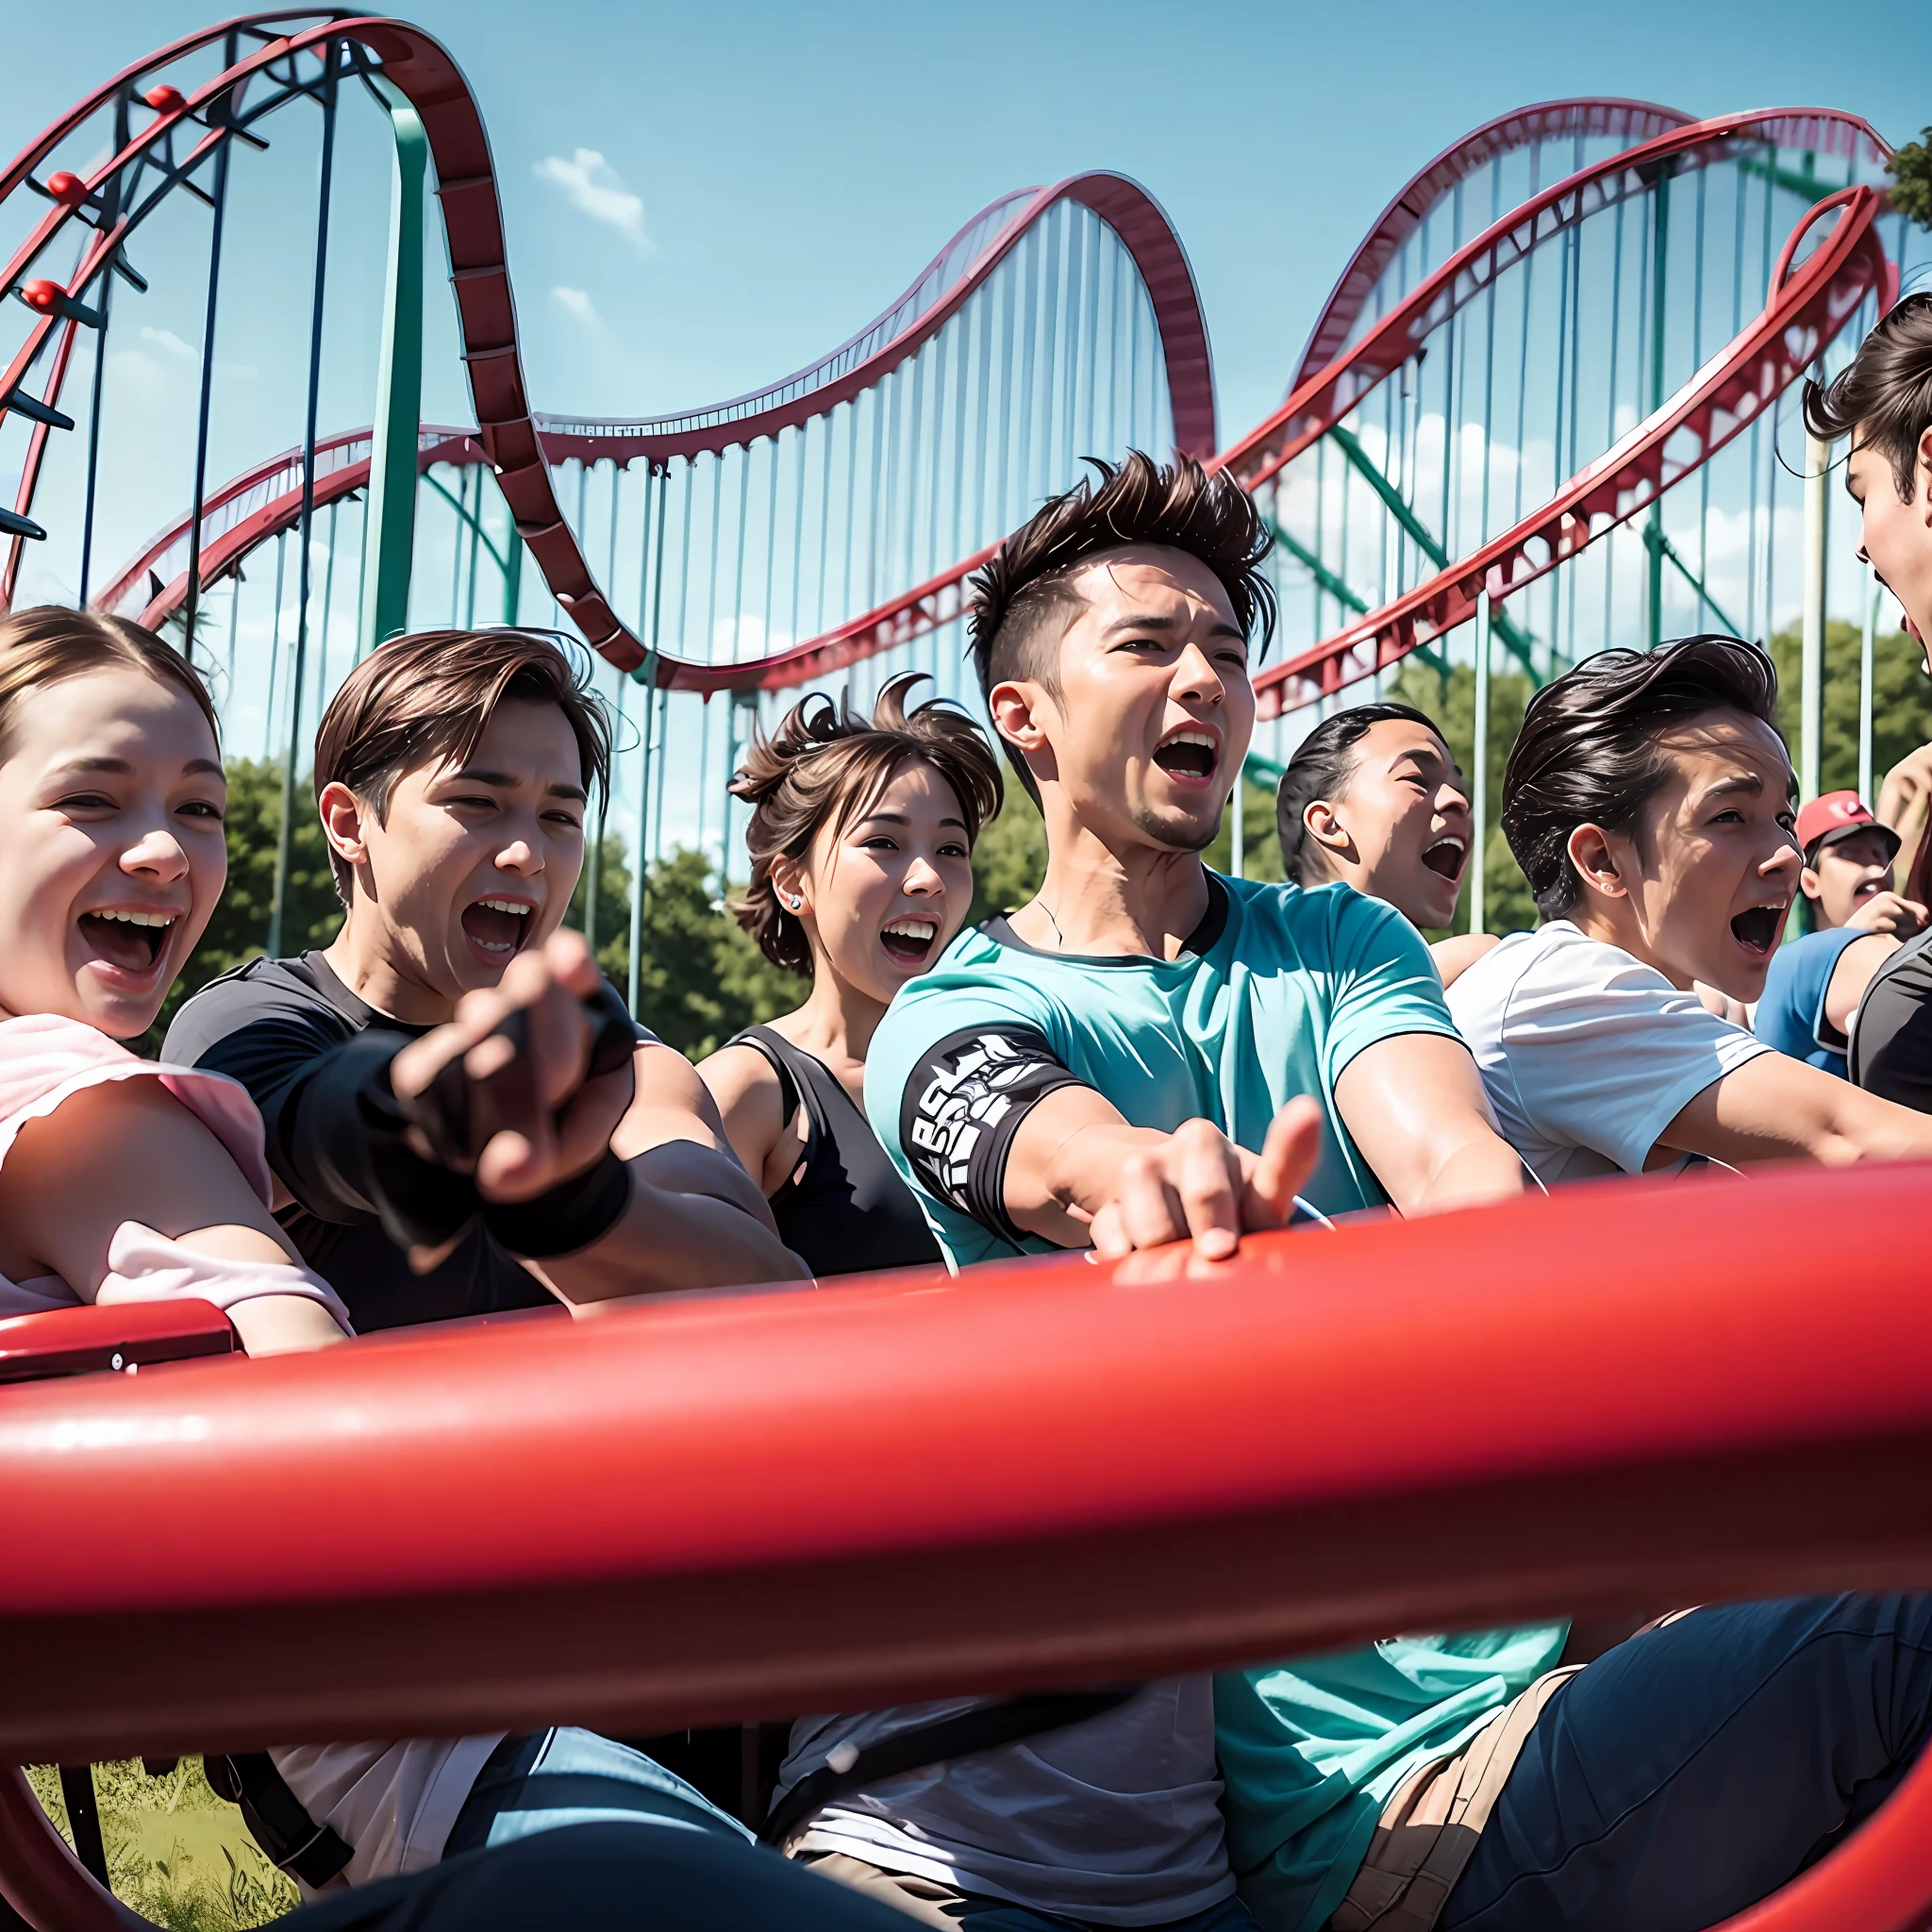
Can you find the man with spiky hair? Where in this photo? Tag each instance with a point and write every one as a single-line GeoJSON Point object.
{"type": "Point", "coordinates": [1144, 1052]}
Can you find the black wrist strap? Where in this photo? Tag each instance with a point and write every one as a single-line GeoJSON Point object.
{"type": "Point", "coordinates": [983, 1729]}
{"type": "Point", "coordinates": [419, 1203]}
{"type": "Point", "coordinates": [570, 1216]}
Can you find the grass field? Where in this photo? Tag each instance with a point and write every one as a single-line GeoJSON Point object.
{"type": "Point", "coordinates": [176, 1851]}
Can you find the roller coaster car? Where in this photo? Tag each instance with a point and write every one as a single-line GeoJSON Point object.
{"type": "Point", "coordinates": [1753, 1415]}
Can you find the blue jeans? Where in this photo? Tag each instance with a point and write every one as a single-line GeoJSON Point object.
{"type": "Point", "coordinates": [1695, 1769]}
{"type": "Point", "coordinates": [576, 1778]}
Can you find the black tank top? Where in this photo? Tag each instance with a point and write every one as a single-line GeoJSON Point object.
{"type": "Point", "coordinates": [843, 1208]}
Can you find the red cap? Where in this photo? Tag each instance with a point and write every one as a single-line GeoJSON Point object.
{"type": "Point", "coordinates": [1831, 816]}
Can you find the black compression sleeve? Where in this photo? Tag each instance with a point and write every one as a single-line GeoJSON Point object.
{"type": "Point", "coordinates": [962, 1105]}
{"type": "Point", "coordinates": [343, 1130]}
{"type": "Point", "coordinates": [570, 1216]}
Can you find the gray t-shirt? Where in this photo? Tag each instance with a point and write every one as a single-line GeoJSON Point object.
{"type": "Point", "coordinates": [1115, 1821]}
{"type": "Point", "coordinates": [1890, 1053]}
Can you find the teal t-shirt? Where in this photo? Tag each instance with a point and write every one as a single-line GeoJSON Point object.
{"type": "Point", "coordinates": [1311, 1749]}
{"type": "Point", "coordinates": [1273, 997]}
{"type": "Point", "coordinates": [1280, 990]}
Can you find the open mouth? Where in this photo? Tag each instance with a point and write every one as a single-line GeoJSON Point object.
{"type": "Point", "coordinates": [1190, 756]}
{"type": "Point", "coordinates": [909, 940]}
{"type": "Point", "coordinates": [131, 941]}
{"type": "Point", "coordinates": [1446, 857]}
{"type": "Point", "coordinates": [497, 927]}
{"type": "Point", "coordinates": [1756, 929]}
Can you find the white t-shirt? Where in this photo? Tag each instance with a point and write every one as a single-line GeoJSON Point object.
{"type": "Point", "coordinates": [393, 1804]}
{"type": "Point", "coordinates": [1587, 1054]}
{"type": "Point", "coordinates": [1115, 1821]}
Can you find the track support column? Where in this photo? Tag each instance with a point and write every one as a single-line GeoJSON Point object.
{"type": "Point", "coordinates": [391, 523]}
{"type": "Point", "coordinates": [1812, 672]}
{"type": "Point", "coordinates": [1480, 800]}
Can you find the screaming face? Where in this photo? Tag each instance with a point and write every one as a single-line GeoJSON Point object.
{"type": "Point", "coordinates": [469, 866]}
{"type": "Point", "coordinates": [1700, 888]}
{"type": "Point", "coordinates": [1401, 832]}
{"type": "Point", "coordinates": [1896, 535]}
{"type": "Point", "coordinates": [1151, 708]}
{"type": "Point", "coordinates": [883, 894]}
{"type": "Point", "coordinates": [112, 797]}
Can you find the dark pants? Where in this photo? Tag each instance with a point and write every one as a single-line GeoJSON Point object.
{"type": "Point", "coordinates": [1693, 1771]}
{"type": "Point", "coordinates": [604, 1878]}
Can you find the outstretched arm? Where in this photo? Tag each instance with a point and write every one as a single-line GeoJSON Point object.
{"type": "Point", "coordinates": [1413, 1104]}
{"type": "Point", "coordinates": [682, 1213]}
{"type": "Point", "coordinates": [1078, 1174]}
{"type": "Point", "coordinates": [695, 1219]}
{"type": "Point", "coordinates": [1777, 1109]}
{"type": "Point", "coordinates": [130, 1151]}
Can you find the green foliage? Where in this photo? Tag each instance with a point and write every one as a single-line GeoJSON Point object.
{"type": "Point", "coordinates": [1261, 856]}
{"type": "Point", "coordinates": [176, 1853]}
{"type": "Point", "coordinates": [1910, 170]}
{"type": "Point", "coordinates": [1901, 702]}
{"type": "Point", "coordinates": [1009, 859]}
{"type": "Point", "coordinates": [701, 979]}
{"type": "Point", "coordinates": [1450, 700]}
{"type": "Point", "coordinates": [611, 940]}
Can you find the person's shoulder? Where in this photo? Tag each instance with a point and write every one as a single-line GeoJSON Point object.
{"type": "Point", "coordinates": [257, 989]}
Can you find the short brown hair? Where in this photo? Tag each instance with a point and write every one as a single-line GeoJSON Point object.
{"type": "Point", "coordinates": [824, 765]}
{"type": "Point", "coordinates": [49, 643]}
{"type": "Point", "coordinates": [1015, 596]}
{"type": "Point", "coordinates": [1885, 390]}
{"type": "Point", "coordinates": [427, 699]}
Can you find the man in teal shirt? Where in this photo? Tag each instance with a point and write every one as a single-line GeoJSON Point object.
{"type": "Point", "coordinates": [1145, 1053]}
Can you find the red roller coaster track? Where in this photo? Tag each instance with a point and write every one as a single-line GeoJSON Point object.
{"type": "Point", "coordinates": [1723, 396]}
{"type": "Point", "coordinates": [1328, 391]}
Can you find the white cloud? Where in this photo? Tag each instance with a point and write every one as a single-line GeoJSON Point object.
{"type": "Point", "coordinates": [578, 301]}
{"type": "Point", "coordinates": [166, 339]}
{"type": "Point", "coordinates": [596, 188]}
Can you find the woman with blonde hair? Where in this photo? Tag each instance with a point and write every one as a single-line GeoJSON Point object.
{"type": "Point", "coordinates": [862, 842]}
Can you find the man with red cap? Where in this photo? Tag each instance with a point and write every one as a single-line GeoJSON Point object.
{"type": "Point", "coordinates": [1815, 984]}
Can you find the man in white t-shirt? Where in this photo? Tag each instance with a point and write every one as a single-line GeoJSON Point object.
{"type": "Point", "coordinates": [1648, 802]}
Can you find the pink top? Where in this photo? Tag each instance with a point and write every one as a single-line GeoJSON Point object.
{"type": "Point", "coordinates": [44, 1059]}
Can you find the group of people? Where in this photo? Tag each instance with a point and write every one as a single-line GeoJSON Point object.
{"type": "Point", "coordinates": [446, 1112]}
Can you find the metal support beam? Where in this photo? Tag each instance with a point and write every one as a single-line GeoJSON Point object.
{"type": "Point", "coordinates": [1812, 672]}
{"type": "Point", "coordinates": [1655, 539]}
{"type": "Point", "coordinates": [1515, 640]}
{"type": "Point", "coordinates": [1338, 588]}
{"type": "Point", "coordinates": [391, 516]}
{"type": "Point", "coordinates": [1865, 679]}
{"type": "Point", "coordinates": [1479, 799]}
{"type": "Point", "coordinates": [1654, 531]}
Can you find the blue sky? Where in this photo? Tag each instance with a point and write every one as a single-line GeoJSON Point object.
{"type": "Point", "coordinates": [724, 191]}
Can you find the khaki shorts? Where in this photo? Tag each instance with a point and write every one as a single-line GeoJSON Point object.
{"type": "Point", "coordinates": [1429, 1827]}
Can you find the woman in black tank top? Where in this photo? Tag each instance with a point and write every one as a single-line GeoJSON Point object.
{"type": "Point", "coordinates": [861, 843]}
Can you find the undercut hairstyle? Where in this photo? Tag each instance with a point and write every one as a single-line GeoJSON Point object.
{"type": "Point", "coordinates": [1022, 602]}
{"type": "Point", "coordinates": [1884, 393]}
{"type": "Point", "coordinates": [49, 643]}
{"type": "Point", "coordinates": [427, 699]}
{"type": "Point", "coordinates": [825, 765]}
{"type": "Point", "coordinates": [1323, 767]}
{"type": "Point", "coordinates": [1591, 752]}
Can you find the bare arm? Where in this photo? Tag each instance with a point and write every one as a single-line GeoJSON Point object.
{"type": "Point", "coordinates": [130, 1151]}
{"type": "Point", "coordinates": [744, 1088]}
{"type": "Point", "coordinates": [1777, 1109]}
{"type": "Point", "coordinates": [1454, 957]}
{"type": "Point", "coordinates": [1414, 1106]}
{"type": "Point", "coordinates": [1853, 974]}
{"type": "Point", "coordinates": [696, 1219]}
{"type": "Point", "coordinates": [1078, 1174]}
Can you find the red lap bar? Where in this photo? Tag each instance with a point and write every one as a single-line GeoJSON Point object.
{"type": "Point", "coordinates": [1047, 1473]}
{"type": "Point", "coordinates": [1044, 1472]}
